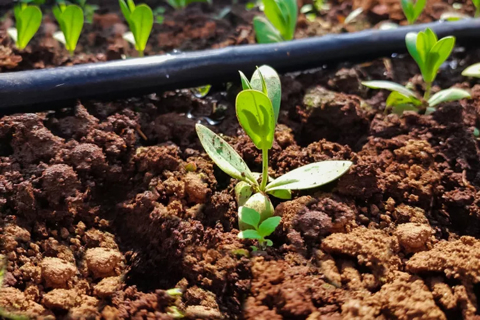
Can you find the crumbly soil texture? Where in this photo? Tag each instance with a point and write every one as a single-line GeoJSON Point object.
{"type": "Point", "coordinates": [105, 207]}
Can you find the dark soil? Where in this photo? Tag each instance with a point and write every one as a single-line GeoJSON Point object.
{"type": "Point", "coordinates": [105, 206]}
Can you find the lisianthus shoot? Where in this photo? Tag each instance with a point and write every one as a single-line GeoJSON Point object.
{"type": "Point", "coordinates": [71, 19]}
{"type": "Point", "coordinates": [28, 19]}
{"type": "Point", "coordinates": [257, 108]}
{"type": "Point", "coordinates": [140, 21]}
{"type": "Point", "coordinates": [476, 3]}
{"type": "Point", "coordinates": [412, 9]}
{"type": "Point", "coordinates": [280, 22]}
{"type": "Point", "coordinates": [429, 53]}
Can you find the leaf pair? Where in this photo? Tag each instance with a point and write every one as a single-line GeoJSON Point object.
{"type": "Point", "coordinates": [258, 106]}
{"type": "Point", "coordinates": [260, 229]}
{"type": "Point", "coordinates": [280, 22]}
{"type": "Point", "coordinates": [140, 21]}
{"type": "Point", "coordinates": [412, 10]}
{"type": "Point", "coordinates": [402, 99]}
{"type": "Point", "coordinates": [429, 52]}
{"type": "Point", "coordinates": [28, 20]}
{"type": "Point", "coordinates": [70, 18]}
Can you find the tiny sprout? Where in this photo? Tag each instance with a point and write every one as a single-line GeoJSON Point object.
{"type": "Point", "coordinates": [28, 19]}
{"type": "Point", "coordinates": [258, 228]}
{"type": "Point", "coordinates": [140, 21]}
{"type": "Point", "coordinates": [412, 9]}
{"type": "Point", "coordinates": [174, 292]}
{"type": "Point", "coordinates": [70, 18]}
{"type": "Point", "coordinates": [429, 53]}
{"type": "Point", "coordinates": [258, 109]}
{"type": "Point", "coordinates": [191, 167]}
{"type": "Point", "coordinates": [175, 313]}
{"type": "Point", "coordinates": [280, 22]}
{"type": "Point", "coordinates": [181, 4]}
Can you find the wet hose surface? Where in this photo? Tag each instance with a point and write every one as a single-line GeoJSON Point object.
{"type": "Point", "coordinates": [36, 90]}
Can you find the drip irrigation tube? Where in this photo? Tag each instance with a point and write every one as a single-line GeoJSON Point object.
{"type": "Point", "coordinates": [47, 88]}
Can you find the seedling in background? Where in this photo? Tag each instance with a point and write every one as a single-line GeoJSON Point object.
{"type": "Point", "coordinates": [476, 3]}
{"type": "Point", "coordinates": [280, 22]}
{"type": "Point", "coordinates": [28, 19]}
{"type": "Point", "coordinates": [429, 53]}
{"type": "Point", "coordinates": [182, 4]}
{"type": "Point", "coordinates": [140, 21]}
{"type": "Point", "coordinates": [257, 108]}
{"type": "Point", "coordinates": [70, 18]}
{"type": "Point", "coordinates": [413, 9]}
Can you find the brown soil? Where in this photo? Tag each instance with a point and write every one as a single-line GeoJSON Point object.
{"type": "Point", "coordinates": [106, 206]}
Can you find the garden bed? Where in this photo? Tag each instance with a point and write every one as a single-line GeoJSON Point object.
{"type": "Point", "coordinates": [104, 206]}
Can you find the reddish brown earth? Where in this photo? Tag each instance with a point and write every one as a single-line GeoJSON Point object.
{"type": "Point", "coordinates": [105, 206]}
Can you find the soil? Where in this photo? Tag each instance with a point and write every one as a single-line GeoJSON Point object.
{"type": "Point", "coordinates": [106, 206]}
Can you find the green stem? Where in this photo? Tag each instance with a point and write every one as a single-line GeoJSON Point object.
{"type": "Point", "coordinates": [428, 89]}
{"type": "Point", "coordinates": [140, 53]}
{"type": "Point", "coordinates": [72, 53]}
{"type": "Point", "coordinates": [477, 12]}
{"type": "Point", "coordinates": [264, 169]}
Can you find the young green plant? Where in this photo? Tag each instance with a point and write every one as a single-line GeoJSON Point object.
{"type": "Point", "coordinates": [412, 9]}
{"type": "Point", "coordinates": [28, 19]}
{"type": "Point", "coordinates": [429, 53]}
{"type": "Point", "coordinates": [70, 18]}
{"type": "Point", "coordinates": [140, 21]}
{"type": "Point", "coordinates": [279, 23]}
{"type": "Point", "coordinates": [257, 108]}
{"type": "Point", "coordinates": [182, 4]}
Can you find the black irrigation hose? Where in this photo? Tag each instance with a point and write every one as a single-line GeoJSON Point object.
{"type": "Point", "coordinates": [45, 89]}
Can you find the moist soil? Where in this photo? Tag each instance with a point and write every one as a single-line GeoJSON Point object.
{"type": "Point", "coordinates": [105, 206]}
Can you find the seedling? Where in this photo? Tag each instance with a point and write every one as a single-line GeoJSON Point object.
{"type": "Point", "coordinates": [182, 4]}
{"type": "Point", "coordinates": [28, 19]}
{"type": "Point", "coordinates": [429, 53]}
{"type": "Point", "coordinates": [70, 18]}
{"type": "Point", "coordinates": [257, 108]}
{"type": "Point", "coordinates": [260, 229]}
{"type": "Point", "coordinates": [140, 21]}
{"type": "Point", "coordinates": [280, 22]}
{"type": "Point", "coordinates": [476, 3]}
{"type": "Point", "coordinates": [412, 9]}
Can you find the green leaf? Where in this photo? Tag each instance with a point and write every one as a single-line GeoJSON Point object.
{"type": "Point", "coordinates": [400, 109]}
{"type": "Point", "coordinates": [397, 99]}
{"type": "Point", "coordinates": [419, 6]}
{"type": "Point", "coordinates": [472, 71]}
{"type": "Point", "coordinates": [411, 42]}
{"type": "Point", "coordinates": [290, 10]}
{"type": "Point", "coordinates": [249, 216]}
{"type": "Point", "coordinates": [274, 14]}
{"type": "Point", "coordinates": [267, 227]}
{"type": "Point", "coordinates": [57, 12]}
{"type": "Point", "coordinates": [438, 54]}
{"type": "Point", "coordinates": [71, 23]}
{"type": "Point", "coordinates": [407, 7]}
{"type": "Point", "coordinates": [245, 83]}
{"type": "Point", "coordinates": [256, 116]}
{"type": "Point", "coordinates": [142, 20]}
{"type": "Point", "coordinates": [388, 85]}
{"type": "Point", "coordinates": [446, 95]}
{"type": "Point", "coordinates": [249, 234]}
{"type": "Point", "coordinates": [281, 194]}
{"type": "Point", "coordinates": [310, 176]}
{"type": "Point", "coordinates": [269, 243]}
{"type": "Point", "coordinates": [225, 157]}
{"type": "Point", "coordinates": [265, 32]}
{"type": "Point", "coordinates": [125, 10]}
{"type": "Point", "coordinates": [31, 19]}
{"type": "Point", "coordinates": [272, 82]}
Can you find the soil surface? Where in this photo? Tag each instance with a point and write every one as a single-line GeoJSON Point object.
{"type": "Point", "coordinates": [106, 206]}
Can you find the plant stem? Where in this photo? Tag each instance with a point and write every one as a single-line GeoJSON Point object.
{"type": "Point", "coordinates": [264, 169]}
{"type": "Point", "coordinates": [140, 53]}
{"type": "Point", "coordinates": [428, 89]}
{"type": "Point", "coordinates": [72, 53]}
{"type": "Point", "coordinates": [477, 12]}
